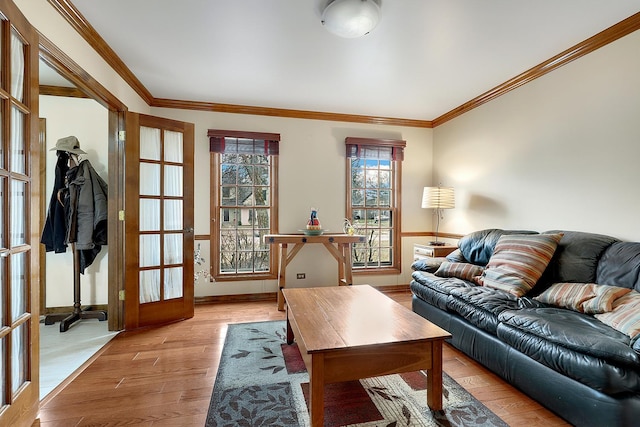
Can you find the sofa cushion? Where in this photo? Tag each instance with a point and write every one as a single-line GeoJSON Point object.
{"type": "Point", "coordinates": [477, 247]}
{"type": "Point", "coordinates": [435, 290]}
{"type": "Point", "coordinates": [481, 306]}
{"type": "Point", "coordinates": [587, 298]}
{"type": "Point", "coordinates": [625, 316]}
{"type": "Point", "coordinates": [460, 270]}
{"type": "Point", "coordinates": [575, 331]}
{"type": "Point", "coordinates": [576, 258]}
{"type": "Point", "coordinates": [518, 262]}
{"type": "Point", "coordinates": [619, 265]}
{"type": "Point", "coordinates": [456, 256]}
{"type": "Point", "coordinates": [574, 344]}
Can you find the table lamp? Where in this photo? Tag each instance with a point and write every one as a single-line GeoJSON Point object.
{"type": "Point", "coordinates": [438, 198]}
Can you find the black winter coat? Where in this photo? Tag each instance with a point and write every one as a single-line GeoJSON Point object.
{"type": "Point", "coordinates": [55, 227]}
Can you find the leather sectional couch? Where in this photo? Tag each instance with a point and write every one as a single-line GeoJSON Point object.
{"type": "Point", "coordinates": [561, 341]}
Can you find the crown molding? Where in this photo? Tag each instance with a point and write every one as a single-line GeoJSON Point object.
{"type": "Point", "coordinates": [84, 28]}
{"type": "Point", "coordinates": [591, 44]}
{"type": "Point", "coordinates": [282, 112]}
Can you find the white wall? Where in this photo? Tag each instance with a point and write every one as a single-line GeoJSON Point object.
{"type": "Point", "coordinates": [88, 121]}
{"type": "Point", "coordinates": [561, 152]}
{"type": "Point", "coordinates": [312, 173]}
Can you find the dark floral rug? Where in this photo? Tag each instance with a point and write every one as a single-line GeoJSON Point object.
{"type": "Point", "coordinates": [262, 381]}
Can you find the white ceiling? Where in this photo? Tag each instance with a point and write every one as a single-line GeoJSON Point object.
{"type": "Point", "coordinates": [425, 58]}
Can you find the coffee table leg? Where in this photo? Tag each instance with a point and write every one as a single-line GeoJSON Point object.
{"type": "Point", "coordinates": [316, 390]}
{"type": "Point", "coordinates": [434, 377]}
{"type": "Point", "coordinates": [290, 337]}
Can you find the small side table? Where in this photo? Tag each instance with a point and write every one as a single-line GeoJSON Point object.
{"type": "Point", "coordinates": [338, 245]}
{"type": "Point", "coordinates": [428, 251]}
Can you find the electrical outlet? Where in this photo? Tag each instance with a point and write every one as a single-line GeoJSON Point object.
{"type": "Point", "coordinates": [300, 276]}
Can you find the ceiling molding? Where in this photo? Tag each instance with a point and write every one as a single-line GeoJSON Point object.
{"type": "Point", "coordinates": [84, 28]}
{"type": "Point", "coordinates": [601, 39]}
{"type": "Point", "coordinates": [281, 112]}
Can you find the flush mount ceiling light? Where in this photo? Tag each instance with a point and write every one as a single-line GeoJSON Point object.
{"type": "Point", "coordinates": [351, 18]}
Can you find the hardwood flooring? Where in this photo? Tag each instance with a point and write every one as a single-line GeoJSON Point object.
{"type": "Point", "coordinates": [164, 376]}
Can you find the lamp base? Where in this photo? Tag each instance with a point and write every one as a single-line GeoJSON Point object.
{"type": "Point", "coordinates": [436, 243]}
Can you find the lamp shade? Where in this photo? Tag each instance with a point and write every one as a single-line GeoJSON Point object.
{"type": "Point", "coordinates": [438, 198]}
{"type": "Point", "coordinates": [351, 18]}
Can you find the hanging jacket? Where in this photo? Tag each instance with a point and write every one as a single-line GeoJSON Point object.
{"type": "Point", "coordinates": [55, 227]}
{"type": "Point", "coordinates": [86, 211]}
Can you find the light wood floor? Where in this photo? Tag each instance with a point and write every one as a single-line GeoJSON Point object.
{"type": "Point", "coordinates": [164, 376]}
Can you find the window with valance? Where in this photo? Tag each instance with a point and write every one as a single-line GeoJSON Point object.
{"type": "Point", "coordinates": [244, 168]}
{"type": "Point", "coordinates": [374, 170]}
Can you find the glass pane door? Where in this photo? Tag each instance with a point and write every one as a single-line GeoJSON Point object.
{"type": "Point", "coordinates": [161, 200]}
{"type": "Point", "coordinates": [19, 333]}
{"type": "Point", "coordinates": [158, 221]}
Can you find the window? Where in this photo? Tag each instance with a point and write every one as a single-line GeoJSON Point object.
{"type": "Point", "coordinates": [373, 195]}
{"type": "Point", "coordinates": [244, 169]}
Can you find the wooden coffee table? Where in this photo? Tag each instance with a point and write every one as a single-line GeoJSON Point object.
{"type": "Point", "coordinates": [347, 333]}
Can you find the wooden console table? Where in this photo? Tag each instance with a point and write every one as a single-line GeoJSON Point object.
{"type": "Point", "coordinates": [338, 245]}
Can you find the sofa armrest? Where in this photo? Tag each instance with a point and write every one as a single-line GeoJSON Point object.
{"type": "Point", "coordinates": [428, 265]}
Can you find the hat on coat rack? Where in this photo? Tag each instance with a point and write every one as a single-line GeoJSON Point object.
{"type": "Point", "coordinates": [69, 144]}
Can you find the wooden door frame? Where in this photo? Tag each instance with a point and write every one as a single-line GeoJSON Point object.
{"type": "Point", "coordinates": [70, 70]}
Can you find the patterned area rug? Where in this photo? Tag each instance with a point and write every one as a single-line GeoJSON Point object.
{"type": "Point", "coordinates": [262, 381]}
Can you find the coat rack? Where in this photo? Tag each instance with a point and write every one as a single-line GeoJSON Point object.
{"type": "Point", "coordinates": [67, 319]}
{"type": "Point", "coordinates": [58, 231]}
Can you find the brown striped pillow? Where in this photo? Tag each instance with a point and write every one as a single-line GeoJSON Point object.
{"type": "Point", "coordinates": [518, 261]}
{"type": "Point", "coordinates": [588, 298]}
{"type": "Point", "coordinates": [625, 316]}
{"type": "Point", "coordinates": [461, 270]}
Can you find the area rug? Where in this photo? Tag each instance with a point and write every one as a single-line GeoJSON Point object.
{"type": "Point", "coordinates": [262, 381]}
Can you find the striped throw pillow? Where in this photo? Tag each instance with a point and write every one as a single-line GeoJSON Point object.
{"type": "Point", "coordinates": [518, 261]}
{"type": "Point", "coordinates": [588, 298]}
{"type": "Point", "coordinates": [625, 316]}
{"type": "Point", "coordinates": [461, 270]}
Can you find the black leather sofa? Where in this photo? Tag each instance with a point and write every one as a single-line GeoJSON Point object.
{"type": "Point", "coordinates": [575, 365]}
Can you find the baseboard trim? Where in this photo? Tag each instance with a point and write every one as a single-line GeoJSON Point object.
{"type": "Point", "coordinates": [271, 296]}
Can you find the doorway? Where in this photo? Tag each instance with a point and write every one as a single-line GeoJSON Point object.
{"type": "Point", "coordinates": [67, 111]}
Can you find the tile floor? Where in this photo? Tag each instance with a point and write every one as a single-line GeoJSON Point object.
{"type": "Point", "coordinates": [62, 353]}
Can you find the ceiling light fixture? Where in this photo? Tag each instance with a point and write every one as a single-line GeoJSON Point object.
{"type": "Point", "coordinates": [351, 18]}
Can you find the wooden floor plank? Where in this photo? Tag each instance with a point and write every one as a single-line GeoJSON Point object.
{"type": "Point", "coordinates": [164, 376]}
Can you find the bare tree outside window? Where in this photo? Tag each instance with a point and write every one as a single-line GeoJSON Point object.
{"type": "Point", "coordinates": [371, 212]}
{"type": "Point", "coordinates": [373, 186]}
{"type": "Point", "coordinates": [245, 213]}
